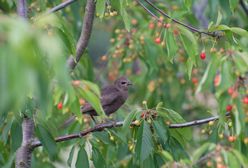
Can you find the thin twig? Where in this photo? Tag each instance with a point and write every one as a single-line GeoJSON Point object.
{"type": "Point", "coordinates": [61, 6]}
{"type": "Point", "coordinates": [245, 8]}
{"type": "Point", "coordinates": [85, 33]}
{"type": "Point", "coordinates": [101, 127]}
{"type": "Point", "coordinates": [212, 34]}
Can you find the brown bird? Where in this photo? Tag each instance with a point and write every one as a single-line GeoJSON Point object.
{"type": "Point", "coordinates": [112, 98]}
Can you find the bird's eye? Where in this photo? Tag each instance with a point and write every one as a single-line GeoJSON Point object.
{"type": "Point", "coordinates": [123, 83]}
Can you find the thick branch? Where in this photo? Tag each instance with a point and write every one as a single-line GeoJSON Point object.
{"type": "Point", "coordinates": [61, 6]}
{"type": "Point", "coordinates": [85, 33]}
{"type": "Point", "coordinates": [101, 127]}
{"type": "Point", "coordinates": [23, 154]}
{"type": "Point", "coordinates": [199, 8]}
{"type": "Point", "coordinates": [213, 34]}
{"type": "Point", "coordinates": [22, 8]}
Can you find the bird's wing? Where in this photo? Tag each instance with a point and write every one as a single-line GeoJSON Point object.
{"type": "Point", "coordinates": [105, 100]}
{"type": "Point", "coordinates": [109, 99]}
{"type": "Point", "coordinates": [108, 89]}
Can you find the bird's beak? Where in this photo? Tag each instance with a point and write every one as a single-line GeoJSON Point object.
{"type": "Point", "coordinates": [129, 83]}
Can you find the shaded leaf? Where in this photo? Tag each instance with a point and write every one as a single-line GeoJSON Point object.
{"type": "Point", "coordinates": [100, 8]}
{"type": "Point", "coordinates": [129, 119]}
{"type": "Point", "coordinates": [98, 159]}
{"type": "Point", "coordinates": [201, 150]}
{"type": "Point", "coordinates": [161, 131]}
{"type": "Point", "coordinates": [47, 141]}
{"type": "Point", "coordinates": [82, 158]}
{"type": "Point", "coordinates": [144, 145]}
{"type": "Point", "coordinates": [125, 15]}
{"type": "Point", "coordinates": [69, 160]}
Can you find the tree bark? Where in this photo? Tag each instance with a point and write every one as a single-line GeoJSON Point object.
{"type": "Point", "coordinates": [23, 154]}
{"type": "Point", "coordinates": [85, 33]}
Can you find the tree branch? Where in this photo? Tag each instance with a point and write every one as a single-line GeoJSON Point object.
{"type": "Point", "coordinates": [212, 34]}
{"type": "Point", "coordinates": [101, 127]}
{"type": "Point", "coordinates": [22, 8]}
{"type": "Point", "coordinates": [61, 6]}
{"type": "Point", "coordinates": [23, 154]}
{"type": "Point", "coordinates": [85, 33]}
{"type": "Point", "coordinates": [199, 8]}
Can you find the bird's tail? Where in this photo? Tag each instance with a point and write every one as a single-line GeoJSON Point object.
{"type": "Point", "coordinates": [68, 122]}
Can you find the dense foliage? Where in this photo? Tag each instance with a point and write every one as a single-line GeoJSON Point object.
{"type": "Point", "coordinates": [178, 75]}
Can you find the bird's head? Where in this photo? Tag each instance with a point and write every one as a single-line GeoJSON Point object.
{"type": "Point", "coordinates": [122, 83]}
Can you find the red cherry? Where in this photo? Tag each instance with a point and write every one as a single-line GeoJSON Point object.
{"type": "Point", "coordinates": [142, 115]}
{"type": "Point", "coordinates": [157, 40]}
{"type": "Point", "coordinates": [203, 55]}
{"type": "Point", "coordinates": [151, 25]}
{"type": "Point", "coordinates": [230, 90]}
{"type": "Point", "coordinates": [167, 25]}
{"type": "Point", "coordinates": [231, 138]}
{"type": "Point", "coordinates": [194, 80]}
{"type": "Point", "coordinates": [229, 107]}
{"type": "Point", "coordinates": [217, 80]}
{"type": "Point", "coordinates": [60, 106]}
{"type": "Point", "coordinates": [245, 100]}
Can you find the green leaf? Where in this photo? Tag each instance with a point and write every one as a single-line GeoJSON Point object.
{"type": "Point", "coordinates": [232, 160]}
{"type": "Point", "coordinates": [191, 47]}
{"type": "Point", "coordinates": [5, 133]}
{"type": "Point", "coordinates": [241, 62]}
{"type": "Point", "coordinates": [243, 160]}
{"type": "Point", "coordinates": [166, 156]}
{"type": "Point", "coordinates": [239, 31]}
{"type": "Point", "coordinates": [201, 150]}
{"type": "Point", "coordinates": [190, 63]}
{"type": "Point", "coordinates": [100, 8]}
{"type": "Point", "coordinates": [233, 4]}
{"type": "Point", "coordinates": [90, 92]}
{"type": "Point", "coordinates": [209, 74]}
{"type": "Point", "coordinates": [98, 159]}
{"type": "Point", "coordinates": [237, 123]}
{"type": "Point", "coordinates": [219, 18]}
{"type": "Point", "coordinates": [188, 4]}
{"type": "Point", "coordinates": [129, 119]}
{"type": "Point", "coordinates": [171, 45]}
{"type": "Point", "coordinates": [161, 131]}
{"type": "Point", "coordinates": [173, 117]}
{"type": "Point", "coordinates": [189, 42]}
{"type": "Point", "coordinates": [124, 15]}
{"type": "Point", "coordinates": [226, 77]}
{"type": "Point", "coordinates": [47, 141]}
{"type": "Point", "coordinates": [16, 136]}
{"type": "Point", "coordinates": [82, 158]}
{"type": "Point", "coordinates": [144, 145]}
{"type": "Point", "coordinates": [69, 160]}
{"type": "Point", "coordinates": [93, 87]}
{"type": "Point", "coordinates": [159, 106]}
{"type": "Point", "coordinates": [10, 161]}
